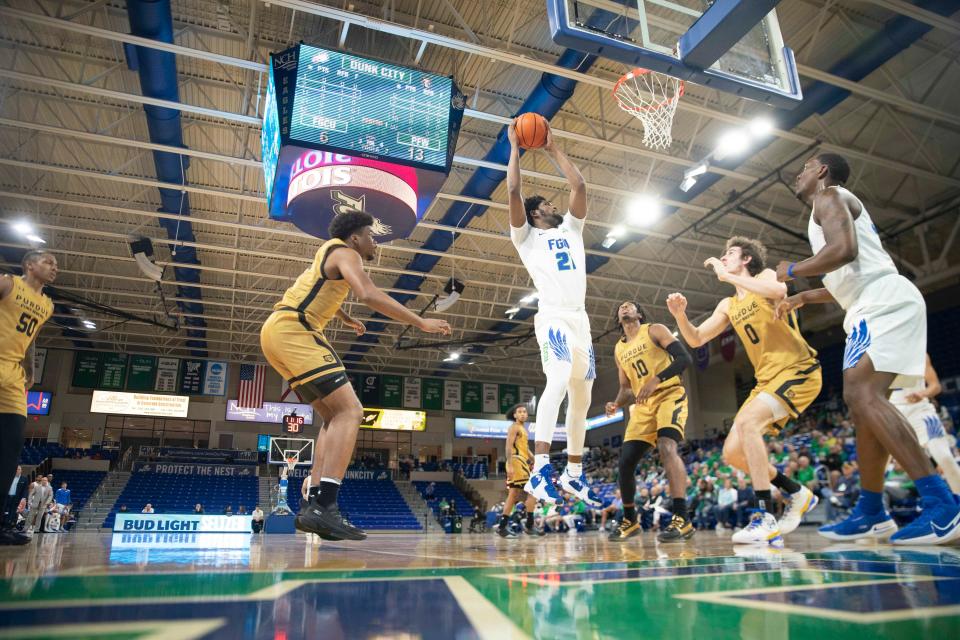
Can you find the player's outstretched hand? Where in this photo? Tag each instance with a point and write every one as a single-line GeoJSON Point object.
{"type": "Point", "coordinates": [548, 145]}
{"type": "Point", "coordinates": [782, 269]}
{"type": "Point", "coordinates": [717, 266]}
{"type": "Point", "coordinates": [512, 133]}
{"type": "Point", "coordinates": [435, 325]}
{"type": "Point", "coordinates": [611, 409]}
{"type": "Point", "coordinates": [787, 305]}
{"type": "Point", "coordinates": [357, 326]}
{"type": "Point", "coordinates": [914, 397]}
{"type": "Point", "coordinates": [676, 304]}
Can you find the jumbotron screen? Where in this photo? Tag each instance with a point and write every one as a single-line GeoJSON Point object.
{"type": "Point", "coordinates": [371, 109]}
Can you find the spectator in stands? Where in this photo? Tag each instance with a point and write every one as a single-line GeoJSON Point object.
{"type": "Point", "coordinates": [40, 496]}
{"type": "Point", "coordinates": [612, 510]}
{"type": "Point", "coordinates": [898, 488]}
{"type": "Point", "coordinates": [51, 522]}
{"type": "Point", "coordinates": [241, 510]}
{"type": "Point", "coordinates": [198, 509]}
{"type": "Point", "coordinates": [444, 506]}
{"type": "Point", "coordinates": [228, 510]}
{"type": "Point", "coordinates": [727, 505]}
{"type": "Point", "coordinates": [62, 496]}
{"type": "Point", "coordinates": [745, 499]}
{"type": "Point", "coordinates": [452, 511]}
{"type": "Point", "coordinates": [704, 505]}
{"type": "Point", "coordinates": [148, 508]}
{"type": "Point", "coordinates": [257, 519]}
{"type": "Point", "coordinates": [123, 508]}
{"type": "Point", "coordinates": [430, 491]}
{"type": "Point", "coordinates": [846, 493]}
{"type": "Point", "coordinates": [805, 475]}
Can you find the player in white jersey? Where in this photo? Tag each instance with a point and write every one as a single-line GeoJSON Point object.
{"type": "Point", "coordinates": [551, 248]}
{"type": "Point", "coordinates": [886, 328]}
{"type": "Point", "coordinates": [914, 403]}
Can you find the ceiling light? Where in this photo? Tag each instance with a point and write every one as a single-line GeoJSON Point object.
{"type": "Point", "coordinates": [608, 242]}
{"type": "Point", "coordinates": [511, 311]}
{"type": "Point", "coordinates": [698, 170]}
{"type": "Point", "coordinates": [761, 127]}
{"type": "Point", "coordinates": [732, 143]}
{"type": "Point", "coordinates": [530, 297]}
{"type": "Point", "coordinates": [687, 184]}
{"type": "Point", "coordinates": [452, 357]}
{"type": "Point", "coordinates": [643, 210]}
{"type": "Point", "coordinates": [32, 237]}
{"type": "Point", "coordinates": [90, 324]}
{"type": "Point", "coordinates": [22, 227]}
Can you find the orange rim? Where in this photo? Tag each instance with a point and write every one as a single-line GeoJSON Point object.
{"type": "Point", "coordinates": [654, 107]}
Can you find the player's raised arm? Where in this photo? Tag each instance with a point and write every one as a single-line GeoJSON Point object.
{"type": "Point", "coordinates": [578, 187]}
{"type": "Point", "coordinates": [518, 215]}
{"type": "Point", "coordinates": [797, 300]}
{"type": "Point", "coordinates": [6, 286]}
{"type": "Point", "coordinates": [763, 284]}
{"type": "Point", "coordinates": [708, 330]}
{"type": "Point", "coordinates": [350, 266]}
{"type": "Point", "coordinates": [833, 213]}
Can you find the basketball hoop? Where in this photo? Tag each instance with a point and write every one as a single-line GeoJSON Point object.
{"type": "Point", "coordinates": [292, 459]}
{"type": "Point", "coordinates": [652, 98]}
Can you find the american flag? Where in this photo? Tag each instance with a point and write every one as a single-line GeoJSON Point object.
{"type": "Point", "coordinates": [251, 386]}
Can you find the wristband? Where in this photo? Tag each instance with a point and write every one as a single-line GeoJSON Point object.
{"type": "Point", "coordinates": [790, 269]}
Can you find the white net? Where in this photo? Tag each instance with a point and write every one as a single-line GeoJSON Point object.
{"type": "Point", "coordinates": [652, 98]}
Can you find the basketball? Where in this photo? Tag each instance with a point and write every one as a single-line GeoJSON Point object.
{"type": "Point", "coordinates": [531, 130]}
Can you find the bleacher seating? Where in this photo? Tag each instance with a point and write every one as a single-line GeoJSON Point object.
{"type": "Point", "coordinates": [34, 453]}
{"type": "Point", "coordinates": [368, 504]}
{"type": "Point", "coordinates": [173, 493]}
{"type": "Point", "coordinates": [81, 484]}
{"type": "Point", "coordinates": [448, 491]}
{"type": "Point", "coordinates": [476, 470]}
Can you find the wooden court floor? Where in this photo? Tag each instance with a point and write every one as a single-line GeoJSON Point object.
{"type": "Point", "coordinates": [118, 586]}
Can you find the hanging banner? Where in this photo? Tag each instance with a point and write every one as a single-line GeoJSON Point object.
{"type": "Point", "coordinates": [433, 394]}
{"type": "Point", "coordinates": [411, 393]}
{"type": "Point", "coordinates": [451, 395]}
{"type": "Point", "coordinates": [191, 376]}
{"type": "Point", "coordinates": [702, 356]}
{"type": "Point", "coordinates": [139, 404]}
{"type": "Point", "coordinates": [143, 373]}
{"type": "Point", "coordinates": [215, 378]}
{"type": "Point", "coordinates": [391, 391]}
{"type": "Point", "coordinates": [509, 396]}
{"type": "Point", "coordinates": [393, 419]}
{"type": "Point", "coordinates": [728, 345]}
{"type": "Point", "coordinates": [288, 393]}
{"type": "Point", "coordinates": [527, 395]}
{"type": "Point", "coordinates": [491, 398]}
{"type": "Point", "coordinates": [86, 370]}
{"type": "Point", "coordinates": [370, 390]}
{"type": "Point", "coordinates": [113, 371]}
{"type": "Point", "coordinates": [168, 370]}
{"type": "Point", "coordinates": [473, 397]}
{"type": "Point", "coordinates": [272, 412]}
{"type": "Point", "coordinates": [39, 362]}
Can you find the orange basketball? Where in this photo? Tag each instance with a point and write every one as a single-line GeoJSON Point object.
{"type": "Point", "coordinates": [531, 130]}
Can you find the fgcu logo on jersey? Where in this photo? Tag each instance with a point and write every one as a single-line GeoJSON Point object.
{"type": "Point", "coordinates": [857, 344]}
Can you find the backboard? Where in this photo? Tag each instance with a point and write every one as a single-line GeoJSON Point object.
{"type": "Point", "coordinates": [283, 449]}
{"type": "Point", "coordinates": [730, 45]}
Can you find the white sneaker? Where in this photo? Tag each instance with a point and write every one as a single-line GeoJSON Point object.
{"type": "Point", "coordinates": [801, 502]}
{"type": "Point", "coordinates": [579, 488]}
{"type": "Point", "coordinates": [763, 529]}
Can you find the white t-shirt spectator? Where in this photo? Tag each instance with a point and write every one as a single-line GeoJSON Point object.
{"type": "Point", "coordinates": [257, 514]}
{"type": "Point", "coordinates": [147, 509]}
{"type": "Point", "coordinates": [726, 497]}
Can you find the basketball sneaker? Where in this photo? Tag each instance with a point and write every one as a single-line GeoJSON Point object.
{"type": "Point", "coordinates": [762, 529]}
{"type": "Point", "coordinates": [533, 531]}
{"type": "Point", "coordinates": [627, 529]}
{"type": "Point", "coordinates": [579, 488]}
{"type": "Point", "coordinates": [540, 485]}
{"type": "Point", "coordinates": [860, 525]}
{"type": "Point", "coordinates": [506, 532]}
{"type": "Point", "coordinates": [679, 529]}
{"type": "Point", "coordinates": [801, 502]}
{"type": "Point", "coordinates": [938, 523]}
{"type": "Point", "coordinates": [327, 523]}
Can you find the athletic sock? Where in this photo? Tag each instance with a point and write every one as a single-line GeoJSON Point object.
{"type": "Point", "coordinates": [574, 469]}
{"type": "Point", "coordinates": [680, 507]}
{"type": "Point", "coordinates": [329, 488]}
{"type": "Point", "coordinates": [529, 520]}
{"type": "Point", "coordinates": [540, 460]}
{"type": "Point", "coordinates": [764, 501]}
{"type": "Point", "coordinates": [785, 484]}
{"type": "Point", "coordinates": [933, 486]}
{"type": "Point", "coordinates": [871, 502]}
{"type": "Point", "coordinates": [630, 513]}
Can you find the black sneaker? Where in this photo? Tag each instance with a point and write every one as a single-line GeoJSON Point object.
{"type": "Point", "coordinates": [11, 537]}
{"type": "Point", "coordinates": [627, 529]}
{"type": "Point", "coordinates": [533, 531]}
{"type": "Point", "coordinates": [679, 529]}
{"type": "Point", "coordinates": [506, 532]}
{"type": "Point", "coordinates": [327, 523]}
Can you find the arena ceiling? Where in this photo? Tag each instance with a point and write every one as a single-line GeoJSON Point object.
{"type": "Point", "coordinates": [75, 160]}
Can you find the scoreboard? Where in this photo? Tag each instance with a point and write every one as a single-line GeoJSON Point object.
{"type": "Point", "coordinates": [371, 109]}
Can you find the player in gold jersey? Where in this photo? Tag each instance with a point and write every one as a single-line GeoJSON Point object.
{"type": "Point", "coordinates": [649, 363]}
{"type": "Point", "coordinates": [518, 472]}
{"type": "Point", "coordinates": [787, 372]}
{"type": "Point", "coordinates": [294, 344]}
{"type": "Point", "coordinates": [23, 310]}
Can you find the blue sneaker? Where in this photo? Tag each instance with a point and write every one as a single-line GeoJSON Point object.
{"type": "Point", "coordinates": [579, 488]}
{"type": "Point", "coordinates": [860, 525]}
{"type": "Point", "coordinates": [540, 486]}
{"type": "Point", "coordinates": [938, 523]}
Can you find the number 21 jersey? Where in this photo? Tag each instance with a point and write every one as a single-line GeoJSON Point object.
{"type": "Point", "coordinates": [555, 260]}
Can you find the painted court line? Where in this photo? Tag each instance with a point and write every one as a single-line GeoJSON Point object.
{"type": "Point", "coordinates": [151, 629]}
{"type": "Point", "coordinates": [488, 621]}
